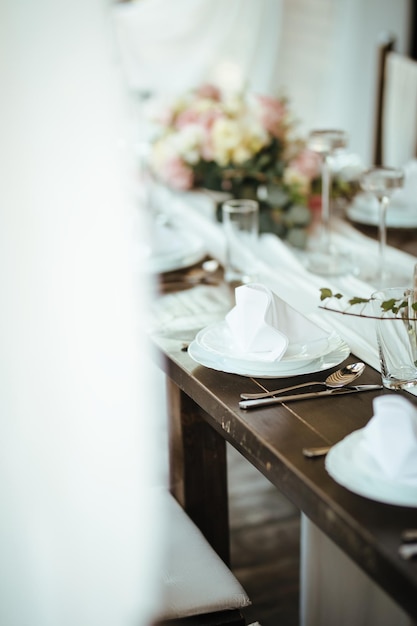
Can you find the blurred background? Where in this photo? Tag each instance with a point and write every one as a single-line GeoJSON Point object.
{"type": "Point", "coordinates": [322, 54]}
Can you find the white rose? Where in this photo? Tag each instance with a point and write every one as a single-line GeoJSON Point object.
{"type": "Point", "coordinates": [234, 105]}
{"type": "Point", "coordinates": [293, 177]}
{"type": "Point", "coordinates": [188, 142]}
{"type": "Point", "coordinates": [226, 136]}
{"type": "Point", "coordinates": [256, 136]}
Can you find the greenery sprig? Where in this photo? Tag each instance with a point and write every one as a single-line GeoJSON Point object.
{"type": "Point", "coordinates": [392, 305]}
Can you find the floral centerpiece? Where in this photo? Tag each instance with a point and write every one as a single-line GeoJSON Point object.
{"type": "Point", "coordinates": [244, 144]}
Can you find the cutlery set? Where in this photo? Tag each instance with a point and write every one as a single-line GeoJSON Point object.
{"type": "Point", "coordinates": [251, 404]}
{"type": "Point", "coordinates": [205, 274]}
{"type": "Point", "coordinates": [408, 547]}
{"type": "Point", "coordinates": [336, 384]}
{"type": "Point", "coordinates": [337, 379]}
{"type": "Point", "coordinates": [313, 453]}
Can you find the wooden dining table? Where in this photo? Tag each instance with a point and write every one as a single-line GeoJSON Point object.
{"type": "Point", "coordinates": [204, 412]}
{"type": "Point", "coordinates": [204, 416]}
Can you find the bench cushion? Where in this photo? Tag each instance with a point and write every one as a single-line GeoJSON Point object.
{"type": "Point", "coordinates": [194, 578]}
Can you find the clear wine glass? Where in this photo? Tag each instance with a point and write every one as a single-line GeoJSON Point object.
{"type": "Point", "coordinates": [325, 259]}
{"type": "Point", "coordinates": [381, 182]}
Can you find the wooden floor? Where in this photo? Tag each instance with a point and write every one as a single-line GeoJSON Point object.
{"type": "Point", "coordinates": [264, 545]}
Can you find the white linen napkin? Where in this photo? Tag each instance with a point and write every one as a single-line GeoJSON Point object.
{"type": "Point", "coordinates": [263, 324]}
{"type": "Point", "coordinates": [390, 438]}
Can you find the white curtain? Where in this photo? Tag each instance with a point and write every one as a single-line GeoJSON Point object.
{"type": "Point", "coordinates": [168, 46]}
{"type": "Point", "coordinates": [78, 450]}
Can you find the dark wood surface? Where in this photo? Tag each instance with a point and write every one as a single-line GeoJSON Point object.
{"type": "Point", "coordinates": [271, 439]}
{"type": "Point", "coordinates": [218, 618]}
{"type": "Point", "coordinates": [194, 444]}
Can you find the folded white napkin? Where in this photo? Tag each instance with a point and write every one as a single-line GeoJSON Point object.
{"type": "Point", "coordinates": [263, 324]}
{"type": "Point", "coordinates": [390, 438]}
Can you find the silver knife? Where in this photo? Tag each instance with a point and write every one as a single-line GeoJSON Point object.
{"type": "Point", "coordinates": [251, 404]}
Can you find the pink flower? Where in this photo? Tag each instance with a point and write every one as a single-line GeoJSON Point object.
{"type": "Point", "coordinates": [189, 116]}
{"type": "Point", "coordinates": [272, 114]}
{"type": "Point", "coordinates": [176, 174]}
{"type": "Point", "coordinates": [205, 119]}
{"type": "Point", "coordinates": [211, 92]}
{"type": "Point", "coordinates": [307, 163]}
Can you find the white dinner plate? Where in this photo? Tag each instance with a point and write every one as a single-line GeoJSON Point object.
{"type": "Point", "coordinates": [217, 338]}
{"type": "Point", "coordinates": [364, 210]}
{"type": "Point", "coordinates": [175, 250]}
{"type": "Point", "coordinates": [338, 352]}
{"type": "Point", "coordinates": [349, 465]}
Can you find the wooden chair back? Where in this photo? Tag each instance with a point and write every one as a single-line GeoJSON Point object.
{"type": "Point", "coordinates": [396, 108]}
{"type": "Point", "coordinates": [387, 45]}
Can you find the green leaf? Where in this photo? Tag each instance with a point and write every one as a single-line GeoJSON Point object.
{"type": "Point", "coordinates": [358, 300]}
{"type": "Point", "coordinates": [388, 305]}
{"type": "Point", "coordinates": [325, 293]}
{"type": "Point", "coordinates": [328, 293]}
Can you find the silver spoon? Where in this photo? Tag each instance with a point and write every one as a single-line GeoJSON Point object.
{"type": "Point", "coordinates": [312, 453]}
{"type": "Point", "coordinates": [342, 377]}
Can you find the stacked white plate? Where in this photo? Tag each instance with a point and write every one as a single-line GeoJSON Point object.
{"type": "Point", "coordinates": [349, 464]}
{"type": "Point", "coordinates": [174, 249]}
{"type": "Point", "coordinates": [214, 347]}
{"type": "Point", "coordinates": [400, 213]}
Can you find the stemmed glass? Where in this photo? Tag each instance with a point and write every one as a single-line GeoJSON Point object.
{"type": "Point", "coordinates": [381, 182]}
{"type": "Point", "coordinates": [325, 259]}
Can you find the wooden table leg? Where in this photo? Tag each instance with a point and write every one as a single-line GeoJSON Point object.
{"type": "Point", "coordinates": [198, 469]}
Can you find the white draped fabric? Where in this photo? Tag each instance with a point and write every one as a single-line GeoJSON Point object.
{"type": "Point", "coordinates": [78, 537]}
{"type": "Point", "coordinates": [336, 591]}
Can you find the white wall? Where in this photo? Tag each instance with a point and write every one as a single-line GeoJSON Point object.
{"type": "Point", "coordinates": [328, 62]}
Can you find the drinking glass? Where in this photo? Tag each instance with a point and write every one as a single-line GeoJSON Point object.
{"type": "Point", "coordinates": [325, 259]}
{"type": "Point", "coordinates": [381, 182]}
{"type": "Point", "coordinates": [396, 337]}
{"type": "Point", "coordinates": [241, 227]}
